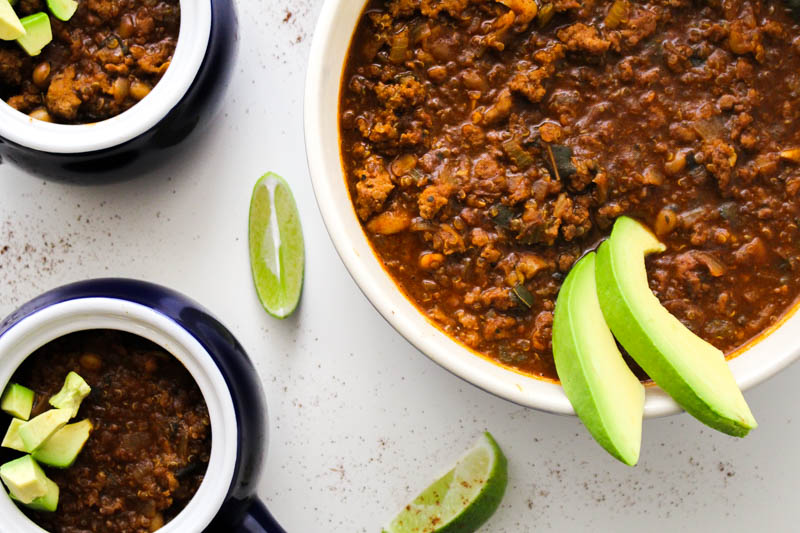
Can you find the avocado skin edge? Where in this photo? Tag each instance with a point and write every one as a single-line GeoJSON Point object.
{"type": "Point", "coordinates": [637, 342]}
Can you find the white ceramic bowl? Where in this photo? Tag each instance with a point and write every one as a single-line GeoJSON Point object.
{"type": "Point", "coordinates": [182, 102]}
{"type": "Point", "coordinates": [328, 51]}
{"type": "Point", "coordinates": [70, 316]}
{"type": "Point", "coordinates": [70, 139]}
{"type": "Point", "coordinates": [226, 498]}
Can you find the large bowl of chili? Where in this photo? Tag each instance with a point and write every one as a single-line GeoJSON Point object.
{"type": "Point", "coordinates": [367, 110]}
{"type": "Point", "coordinates": [202, 346]}
{"type": "Point", "coordinates": [144, 76]}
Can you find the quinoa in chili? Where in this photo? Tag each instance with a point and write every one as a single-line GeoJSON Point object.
{"type": "Point", "coordinates": [489, 144]}
{"type": "Point", "coordinates": [150, 446]}
{"type": "Point", "coordinates": [103, 61]}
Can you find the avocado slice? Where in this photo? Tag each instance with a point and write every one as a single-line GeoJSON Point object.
{"type": "Point", "coordinates": [606, 395]}
{"type": "Point", "coordinates": [688, 368]}
{"type": "Point", "coordinates": [62, 9]}
{"type": "Point", "coordinates": [48, 502]}
{"type": "Point", "coordinates": [38, 33]}
{"type": "Point", "coordinates": [72, 393]}
{"type": "Point", "coordinates": [63, 447]}
{"type": "Point", "coordinates": [17, 401]}
{"type": "Point", "coordinates": [24, 478]}
{"type": "Point", "coordinates": [38, 429]}
{"type": "Point", "coordinates": [10, 26]}
{"type": "Point", "coordinates": [12, 439]}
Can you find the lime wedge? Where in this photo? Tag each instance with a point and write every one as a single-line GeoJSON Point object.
{"type": "Point", "coordinates": [277, 254]}
{"type": "Point", "coordinates": [463, 499]}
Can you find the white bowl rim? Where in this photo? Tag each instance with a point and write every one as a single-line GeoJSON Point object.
{"type": "Point", "coordinates": [760, 361]}
{"type": "Point", "coordinates": [195, 31]}
{"type": "Point", "coordinates": [57, 320]}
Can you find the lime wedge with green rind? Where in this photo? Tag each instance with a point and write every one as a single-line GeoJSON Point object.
{"type": "Point", "coordinates": [277, 252]}
{"type": "Point", "coordinates": [462, 500]}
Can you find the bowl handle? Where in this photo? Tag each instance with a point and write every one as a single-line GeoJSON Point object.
{"type": "Point", "coordinates": [257, 519]}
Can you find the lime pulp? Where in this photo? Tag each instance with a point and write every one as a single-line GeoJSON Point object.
{"type": "Point", "coordinates": [277, 253]}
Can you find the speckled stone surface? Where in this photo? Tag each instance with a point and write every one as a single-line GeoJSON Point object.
{"type": "Point", "coordinates": [360, 420]}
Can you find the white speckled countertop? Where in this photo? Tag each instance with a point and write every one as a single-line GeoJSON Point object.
{"type": "Point", "coordinates": [360, 420]}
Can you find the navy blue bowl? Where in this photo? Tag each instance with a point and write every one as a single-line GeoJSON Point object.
{"type": "Point", "coordinates": [174, 122]}
{"type": "Point", "coordinates": [239, 510]}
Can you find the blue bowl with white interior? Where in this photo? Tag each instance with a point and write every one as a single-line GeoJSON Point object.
{"type": "Point", "coordinates": [183, 101]}
{"type": "Point", "coordinates": [225, 500]}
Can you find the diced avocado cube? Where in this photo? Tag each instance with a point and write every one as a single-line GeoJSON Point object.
{"type": "Point", "coordinates": [25, 479]}
{"type": "Point", "coordinates": [48, 502]}
{"type": "Point", "coordinates": [62, 9]}
{"type": "Point", "coordinates": [12, 439]}
{"type": "Point", "coordinates": [10, 26]}
{"type": "Point", "coordinates": [71, 395]}
{"type": "Point", "coordinates": [38, 33]}
{"type": "Point", "coordinates": [17, 401]}
{"type": "Point", "coordinates": [38, 429]}
{"type": "Point", "coordinates": [63, 447]}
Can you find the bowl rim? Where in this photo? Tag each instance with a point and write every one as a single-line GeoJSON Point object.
{"type": "Point", "coordinates": [193, 39]}
{"type": "Point", "coordinates": [760, 360]}
{"type": "Point", "coordinates": [59, 319]}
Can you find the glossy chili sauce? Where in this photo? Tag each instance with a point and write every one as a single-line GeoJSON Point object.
{"type": "Point", "coordinates": [103, 61]}
{"type": "Point", "coordinates": [150, 446]}
{"type": "Point", "coordinates": [487, 148]}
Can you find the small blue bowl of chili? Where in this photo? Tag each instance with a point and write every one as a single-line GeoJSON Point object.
{"type": "Point", "coordinates": [119, 86]}
{"type": "Point", "coordinates": [107, 329]}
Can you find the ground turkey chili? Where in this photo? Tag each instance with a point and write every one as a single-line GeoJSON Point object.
{"type": "Point", "coordinates": [489, 144]}
{"type": "Point", "coordinates": [108, 57]}
{"type": "Point", "coordinates": [150, 446]}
